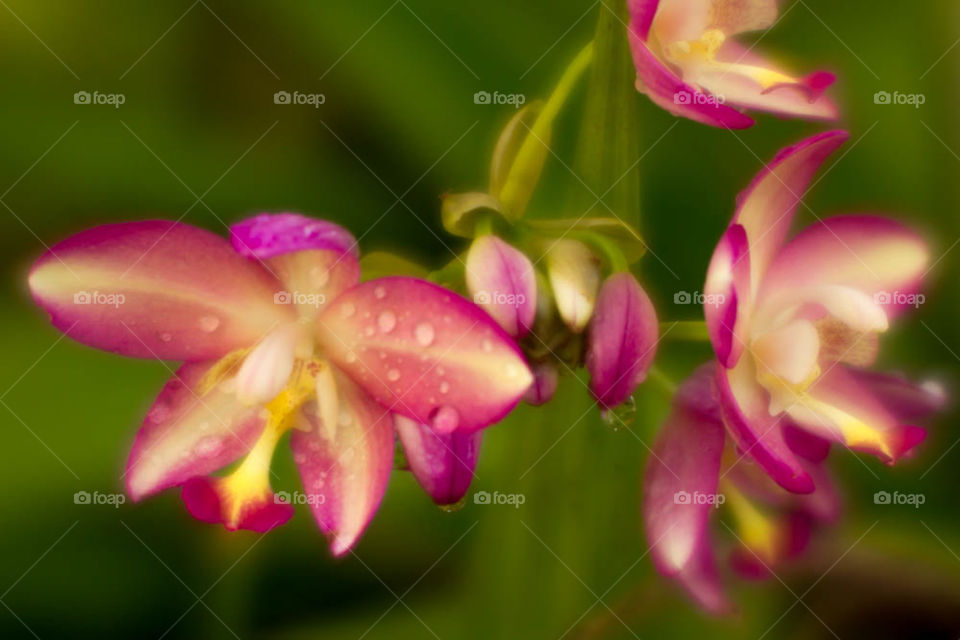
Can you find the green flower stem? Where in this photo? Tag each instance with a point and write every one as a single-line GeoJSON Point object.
{"type": "Point", "coordinates": [691, 330]}
{"type": "Point", "coordinates": [605, 247]}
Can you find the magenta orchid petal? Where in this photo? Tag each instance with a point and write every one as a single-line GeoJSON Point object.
{"type": "Point", "coordinates": [189, 432]}
{"type": "Point", "coordinates": [545, 379]}
{"type": "Point", "coordinates": [766, 207]}
{"type": "Point", "coordinates": [443, 464]}
{"type": "Point", "coordinates": [669, 92]}
{"type": "Point", "coordinates": [701, 579]}
{"type": "Point", "coordinates": [155, 289]}
{"type": "Point", "coordinates": [742, 80]}
{"type": "Point", "coordinates": [758, 434]}
{"type": "Point", "coordinates": [727, 295]}
{"type": "Point", "coordinates": [210, 500]}
{"type": "Point", "coordinates": [622, 340]}
{"type": "Point", "coordinates": [904, 399]}
{"type": "Point", "coordinates": [425, 353]}
{"type": "Point", "coordinates": [685, 463]}
{"type": "Point", "coordinates": [687, 64]}
{"type": "Point", "coordinates": [271, 234]}
{"type": "Point", "coordinates": [345, 467]}
{"type": "Point", "coordinates": [839, 408]}
{"type": "Point", "coordinates": [805, 444]}
{"type": "Point", "coordinates": [502, 281]}
{"type": "Point", "coordinates": [876, 256]}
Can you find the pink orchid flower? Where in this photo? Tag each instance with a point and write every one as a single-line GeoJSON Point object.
{"type": "Point", "coordinates": [687, 63]}
{"type": "Point", "coordinates": [795, 323]}
{"type": "Point", "coordinates": [695, 471]}
{"type": "Point", "coordinates": [277, 335]}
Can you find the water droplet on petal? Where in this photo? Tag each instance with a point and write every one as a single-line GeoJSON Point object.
{"type": "Point", "coordinates": [380, 293]}
{"type": "Point", "coordinates": [208, 447]}
{"type": "Point", "coordinates": [444, 387]}
{"type": "Point", "coordinates": [393, 375]}
{"type": "Point", "coordinates": [351, 357]}
{"type": "Point", "coordinates": [424, 334]}
{"type": "Point", "coordinates": [209, 324]}
{"type": "Point", "coordinates": [445, 419]}
{"type": "Point", "coordinates": [369, 331]}
{"type": "Point", "coordinates": [166, 337]}
{"type": "Point", "coordinates": [347, 309]}
{"type": "Point", "coordinates": [387, 321]}
{"type": "Point", "coordinates": [622, 415]}
{"type": "Point", "coordinates": [456, 506]}
{"type": "Point", "coordinates": [487, 345]}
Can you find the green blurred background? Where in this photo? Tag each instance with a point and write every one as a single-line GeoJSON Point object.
{"type": "Point", "coordinates": [199, 136]}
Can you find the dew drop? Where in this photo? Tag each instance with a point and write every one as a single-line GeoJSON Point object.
{"type": "Point", "coordinates": [208, 447]}
{"type": "Point", "coordinates": [444, 387]}
{"type": "Point", "coordinates": [380, 293]}
{"type": "Point", "coordinates": [445, 419]}
{"type": "Point", "coordinates": [369, 331]}
{"type": "Point", "coordinates": [209, 324]}
{"type": "Point", "coordinates": [622, 415]}
{"type": "Point", "coordinates": [487, 345]}
{"type": "Point", "coordinates": [166, 337]}
{"type": "Point", "coordinates": [424, 334]}
{"type": "Point", "coordinates": [347, 310]}
{"type": "Point", "coordinates": [351, 357]}
{"type": "Point", "coordinates": [456, 506]}
{"type": "Point", "coordinates": [393, 375]}
{"type": "Point", "coordinates": [387, 321]}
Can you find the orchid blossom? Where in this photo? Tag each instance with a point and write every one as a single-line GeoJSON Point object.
{"type": "Point", "coordinates": [695, 472]}
{"type": "Point", "coordinates": [687, 63]}
{"type": "Point", "coordinates": [278, 335]}
{"type": "Point", "coordinates": [798, 321]}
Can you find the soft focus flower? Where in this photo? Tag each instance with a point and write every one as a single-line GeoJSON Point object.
{"type": "Point", "coordinates": [278, 336]}
{"type": "Point", "coordinates": [796, 322]}
{"type": "Point", "coordinates": [687, 63]}
{"type": "Point", "coordinates": [695, 472]}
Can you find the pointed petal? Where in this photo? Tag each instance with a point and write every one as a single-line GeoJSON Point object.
{"type": "Point", "coordinates": [272, 234]}
{"type": "Point", "coordinates": [574, 273]}
{"type": "Point", "coordinates": [190, 431]}
{"type": "Point", "coordinates": [727, 299]}
{"type": "Point", "coordinates": [212, 499]}
{"type": "Point", "coordinates": [425, 352]}
{"type": "Point", "coordinates": [501, 280]}
{"type": "Point", "coordinates": [442, 464]}
{"type": "Point", "coordinates": [746, 80]}
{"type": "Point", "coordinates": [622, 341]}
{"type": "Point", "coordinates": [877, 256]}
{"type": "Point", "coordinates": [745, 407]}
{"type": "Point", "coordinates": [668, 91]}
{"type": "Point", "coordinates": [345, 474]}
{"type": "Point", "coordinates": [544, 385]}
{"type": "Point", "coordinates": [841, 409]}
{"type": "Point", "coordinates": [766, 208]}
{"type": "Point", "coordinates": [265, 371]}
{"type": "Point", "coordinates": [904, 399]}
{"type": "Point", "coordinates": [681, 472]}
{"type": "Point", "coordinates": [155, 289]}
